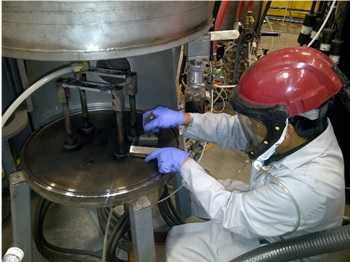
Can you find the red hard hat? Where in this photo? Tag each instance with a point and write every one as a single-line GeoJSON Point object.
{"type": "Point", "coordinates": [301, 79]}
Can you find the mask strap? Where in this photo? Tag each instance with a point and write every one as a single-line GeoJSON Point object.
{"type": "Point", "coordinates": [259, 162]}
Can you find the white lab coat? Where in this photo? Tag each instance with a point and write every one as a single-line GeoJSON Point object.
{"type": "Point", "coordinates": [313, 177]}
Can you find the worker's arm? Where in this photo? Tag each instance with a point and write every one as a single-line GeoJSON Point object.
{"type": "Point", "coordinates": [263, 212]}
{"type": "Point", "coordinates": [222, 129]}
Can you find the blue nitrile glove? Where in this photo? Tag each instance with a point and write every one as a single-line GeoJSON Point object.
{"type": "Point", "coordinates": [161, 117]}
{"type": "Point", "coordinates": [169, 159]}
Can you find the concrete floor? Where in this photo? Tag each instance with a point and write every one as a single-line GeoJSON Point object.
{"type": "Point", "coordinates": [77, 228]}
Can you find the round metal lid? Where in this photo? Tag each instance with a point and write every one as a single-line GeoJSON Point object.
{"type": "Point", "coordinates": [89, 176]}
{"type": "Point", "coordinates": [94, 30]}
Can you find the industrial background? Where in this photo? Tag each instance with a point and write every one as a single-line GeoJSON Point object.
{"type": "Point", "coordinates": [95, 67]}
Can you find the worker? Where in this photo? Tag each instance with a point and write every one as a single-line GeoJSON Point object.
{"type": "Point", "coordinates": [297, 176]}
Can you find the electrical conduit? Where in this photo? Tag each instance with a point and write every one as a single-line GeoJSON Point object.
{"type": "Point", "coordinates": [34, 87]}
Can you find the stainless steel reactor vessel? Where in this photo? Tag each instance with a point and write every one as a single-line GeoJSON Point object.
{"type": "Point", "coordinates": [95, 30]}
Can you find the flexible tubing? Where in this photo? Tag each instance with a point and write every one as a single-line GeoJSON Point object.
{"type": "Point", "coordinates": [323, 24]}
{"type": "Point", "coordinates": [309, 245]}
{"type": "Point", "coordinates": [221, 14]}
{"type": "Point", "coordinates": [105, 239]}
{"type": "Point", "coordinates": [29, 91]}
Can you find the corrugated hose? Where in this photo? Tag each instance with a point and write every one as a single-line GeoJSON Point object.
{"type": "Point", "coordinates": [301, 247]}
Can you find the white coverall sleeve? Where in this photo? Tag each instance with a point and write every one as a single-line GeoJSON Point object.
{"type": "Point", "coordinates": [263, 212]}
{"type": "Point", "coordinates": [222, 129]}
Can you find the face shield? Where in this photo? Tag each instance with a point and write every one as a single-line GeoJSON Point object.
{"type": "Point", "coordinates": [264, 127]}
{"type": "Point", "coordinates": [254, 131]}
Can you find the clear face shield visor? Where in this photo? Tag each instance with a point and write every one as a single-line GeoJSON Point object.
{"type": "Point", "coordinates": [254, 131]}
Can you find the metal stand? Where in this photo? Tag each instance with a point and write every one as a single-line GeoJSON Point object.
{"type": "Point", "coordinates": [141, 225]}
{"type": "Point", "coordinates": [131, 88]}
{"type": "Point", "coordinates": [21, 215]}
{"type": "Point", "coordinates": [118, 108]}
{"type": "Point", "coordinates": [87, 127]}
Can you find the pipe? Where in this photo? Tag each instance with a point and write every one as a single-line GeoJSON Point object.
{"type": "Point", "coordinates": [313, 6]}
{"type": "Point", "coordinates": [262, 17]}
{"type": "Point", "coordinates": [303, 246]}
{"type": "Point", "coordinates": [34, 87]}
{"type": "Point", "coordinates": [251, 6]}
{"type": "Point", "coordinates": [118, 108]}
{"type": "Point", "coordinates": [221, 14]}
{"type": "Point", "coordinates": [239, 11]}
{"type": "Point", "coordinates": [323, 24]}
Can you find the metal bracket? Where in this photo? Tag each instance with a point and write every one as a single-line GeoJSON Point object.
{"type": "Point", "coordinates": [21, 214]}
{"type": "Point", "coordinates": [141, 223]}
{"type": "Point", "coordinates": [224, 35]}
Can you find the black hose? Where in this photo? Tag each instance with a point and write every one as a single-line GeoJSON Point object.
{"type": "Point", "coordinates": [49, 250]}
{"type": "Point", "coordinates": [102, 215]}
{"type": "Point", "coordinates": [300, 247]}
{"type": "Point", "coordinates": [167, 217]}
{"type": "Point", "coordinates": [172, 208]}
{"type": "Point", "coordinates": [120, 229]}
{"type": "Point", "coordinates": [168, 211]}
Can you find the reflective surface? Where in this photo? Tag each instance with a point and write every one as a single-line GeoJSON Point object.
{"type": "Point", "coordinates": [92, 30]}
{"type": "Point", "coordinates": [89, 176]}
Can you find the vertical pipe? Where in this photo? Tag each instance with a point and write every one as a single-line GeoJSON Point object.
{"type": "Point", "coordinates": [221, 14]}
{"type": "Point", "coordinates": [118, 107]}
{"type": "Point", "coordinates": [21, 215]}
{"type": "Point", "coordinates": [132, 104]}
{"type": "Point", "coordinates": [67, 120]}
{"type": "Point", "coordinates": [87, 127]}
{"type": "Point", "coordinates": [82, 94]}
{"type": "Point", "coordinates": [71, 141]}
{"type": "Point", "coordinates": [132, 90]}
{"type": "Point", "coordinates": [239, 11]}
{"type": "Point", "coordinates": [84, 108]}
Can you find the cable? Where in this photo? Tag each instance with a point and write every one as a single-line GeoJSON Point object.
{"type": "Point", "coordinates": [323, 24]}
{"type": "Point", "coordinates": [167, 210]}
{"type": "Point", "coordinates": [119, 230]}
{"type": "Point", "coordinates": [171, 194]}
{"type": "Point", "coordinates": [104, 250]}
{"type": "Point", "coordinates": [34, 87]}
{"type": "Point", "coordinates": [171, 207]}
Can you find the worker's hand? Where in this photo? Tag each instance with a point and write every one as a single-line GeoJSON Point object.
{"type": "Point", "coordinates": [169, 159]}
{"type": "Point", "coordinates": [161, 117]}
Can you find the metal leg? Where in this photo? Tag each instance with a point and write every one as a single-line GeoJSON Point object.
{"type": "Point", "coordinates": [118, 107]}
{"type": "Point", "coordinates": [142, 230]}
{"type": "Point", "coordinates": [21, 214]}
{"type": "Point", "coordinates": [132, 104]}
{"type": "Point", "coordinates": [8, 163]}
{"type": "Point", "coordinates": [87, 127]}
{"type": "Point", "coordinates": [131, 88]}
{"type": "Point", "coordinates": [71, 140]}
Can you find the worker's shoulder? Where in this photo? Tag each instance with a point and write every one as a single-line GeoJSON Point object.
{"type": "Point", "coordinates": [323, 152]}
